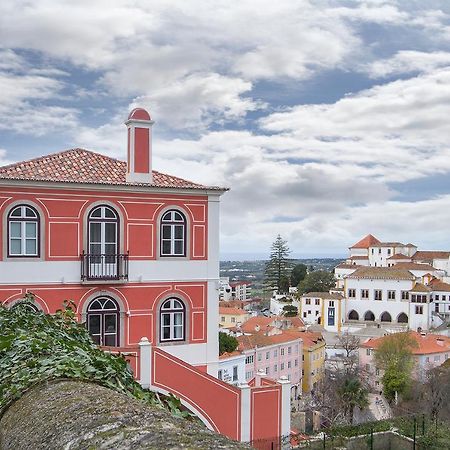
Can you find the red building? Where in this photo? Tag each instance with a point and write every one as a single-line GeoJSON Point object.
{"type": "Point", "coordinates": [136, 250]}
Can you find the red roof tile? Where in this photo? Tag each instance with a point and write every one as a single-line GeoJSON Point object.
{"type": "Point", "coordinates": [426, 343]}
{"type": "Point", "coordinates": [430, 254]}
{"type": "Point", "coordinates": [366, 242]}
{"type": "Point", "coordinates": [232, 311]}
{"type": "Point", "coordinates": [83, 166]}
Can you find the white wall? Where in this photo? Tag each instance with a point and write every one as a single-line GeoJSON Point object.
{"type": "Point", "coordinates": [226, 365]}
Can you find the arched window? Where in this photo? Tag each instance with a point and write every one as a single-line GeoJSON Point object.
{"type": "Point", "coordinates": [172, 320]}
{"type": "Point", "coordinates": [26, 305]}
{"type": "Point", "coordinates": [103, 321]}
{"type": "Point", "coordinates": [23, 232]}
{"type": "Point", "coordinates": [369, 316]}
{"type": "Point", "coordinates": [173, 234]}
{"type": "Point", "coordinates": [402, 318]}
{"type": "Point", "coordinates": [353, 315]}
{"type": "Point", "coordinates": [386, 317]}
{"type": "Point", "coordinates": [103, 243]}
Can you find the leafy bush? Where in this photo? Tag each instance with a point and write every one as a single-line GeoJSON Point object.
{"type": "Point", "coordinates": [36, 347]}
{"type": "Point", "coordinates": [227, 343]}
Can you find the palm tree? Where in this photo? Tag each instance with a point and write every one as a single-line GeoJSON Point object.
{"type": "Point", "coordinates": [352, 394]}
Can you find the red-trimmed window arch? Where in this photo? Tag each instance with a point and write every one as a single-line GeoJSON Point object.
{"type": "Point", "coordinates": [172, 320]}
{"type": "Point", "coordinates": [103, 321]}
{"type": "Point", "coordinates": [24, 225]}
{"type": "Point", "coordinates": [173, 233]}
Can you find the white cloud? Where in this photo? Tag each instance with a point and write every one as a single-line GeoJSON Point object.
{"type": "Point", "coordinates": [407, 61]}
{"type": "Point", "coordinates": [21, 110]}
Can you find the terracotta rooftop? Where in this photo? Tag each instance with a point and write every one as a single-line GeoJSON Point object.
{"type": "Point", "coordinates": [366, 242]}
{"type": "Point", "coordinates": [327, 295]}
{"type": "Point", "coordinates": [419, 287]}
{"type": "Point", "coordinates": [261, 339]}
{"type": "Point", "coordinates": [255, 324]}
{"type": "Point", "coordinates": [232, 311]}
{"type": "Point", "coordinates": [414, 266]}
{"type": "Point", "coordinates": [430, 254]}
{"type": "Point", "coordinates": [226, 355]}
{"type": "Point", "coordinates": [390, 244]}
{"type": "Point", "coordinates": [310, 339]}
{"type": "Point", "coordinates": [347, 266]}
{"type": "Point", "coordinates": [426, 343]}
{"type": "Point", "coordinates": [83, 166]}
{"type": "Point", "coordinates": [385, 273]}
{"type": "Point", "coordinates": [439, 286]}
{"type": "Point", "coordinates": [399, 256]}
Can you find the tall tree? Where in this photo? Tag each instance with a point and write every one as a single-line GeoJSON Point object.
{"type": "Point", "coordinates": [278, 267]}
{"type": "Point", "coordinates": [298, 273]}
{"type": "Point", "coordinates": [394, 356]}
{"type": "Point", "coordinates": [352, 394]}
{"type": "Point", "coordinates": [227, 343]}
{"type": "Point", "coordinates": [317, 281]}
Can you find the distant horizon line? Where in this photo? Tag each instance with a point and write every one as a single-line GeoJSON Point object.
{"type": "Point", "coordinates": [264, 256]}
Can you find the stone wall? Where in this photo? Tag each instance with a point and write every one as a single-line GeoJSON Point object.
{"type": "Point", "coordinates": [76, 415]}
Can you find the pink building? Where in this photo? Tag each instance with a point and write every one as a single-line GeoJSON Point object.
{"type": "Point", "coordinates": [432, 350]}
{"type": "Point", "coordinates": [274, 353]}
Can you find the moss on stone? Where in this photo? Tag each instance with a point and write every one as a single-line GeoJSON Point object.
{"type": "Point", "coordinates": [75, 415]}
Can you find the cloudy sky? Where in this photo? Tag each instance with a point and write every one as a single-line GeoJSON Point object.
{"type": "Point", "coordinates": [327, 119]}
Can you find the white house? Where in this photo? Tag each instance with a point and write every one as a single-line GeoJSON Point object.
{"type": "Point", "coordinates": [232, 367]}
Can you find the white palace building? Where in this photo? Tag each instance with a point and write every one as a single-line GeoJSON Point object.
{"type": "Point", "coordinates": [394, 283]}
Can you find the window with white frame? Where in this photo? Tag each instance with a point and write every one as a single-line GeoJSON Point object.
{"type": "Point", "coordinates": [364, 293]}
{"type": "Point", "coordinates": [172, 320]}
{"type": "Point", "coordinates": [23, 232]}
{"type": "Point", "coordinates": [249, 359]}
{"type": "Point", "coordinates": [173, 234]}
{"type": "Point", "coordinates": [391, 295]}
{"type": "Point", "coordinates": [235, 373]}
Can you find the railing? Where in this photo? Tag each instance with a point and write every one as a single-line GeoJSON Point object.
{"type": "Point", "coordinates": [105, 267]}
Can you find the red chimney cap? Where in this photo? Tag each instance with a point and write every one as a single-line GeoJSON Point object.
{"type": "Point", "coordinates": [139, 114]}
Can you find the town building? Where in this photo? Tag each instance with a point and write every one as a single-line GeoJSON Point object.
{"type": "Point", "coordinates": [323, 308]}
{"type": "Point", "coordinates": [232, 317]}
{"type": "Point", "coordinates": [313, 359]}
{"type": "Point", "coordinates": [391, 284]}
{"type": "Point", "coordinates": [275, 353]}
{"type": "Point", "coordinates": [234, 290]}
{"type": "Point", "coordinates": [232, 368]}
{"type": "Point", "coordinates": [431, 351]}
{"type": "Point", "coordinates": [137, 253]}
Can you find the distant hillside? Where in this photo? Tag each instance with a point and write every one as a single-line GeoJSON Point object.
{"type": "Point", "coordinates": [254, 270]}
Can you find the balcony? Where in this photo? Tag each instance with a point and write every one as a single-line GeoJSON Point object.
{"type": "Point", "coordinates": [104, 267]}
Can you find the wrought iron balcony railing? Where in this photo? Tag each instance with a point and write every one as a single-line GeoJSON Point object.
{"type": "Point", "coordinates": [104, 267]}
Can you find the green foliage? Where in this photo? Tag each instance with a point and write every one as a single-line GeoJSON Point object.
{"type": "Point", "coordinates": [352, 394]}
{"type": "Point", "coordinates": [36, 347]}
{"type": "Point", "coordinates": [298, 274]}
{"type": "Point", "coordinates": [317, 281]}
{"type": "Point", "coordinates": [394, 380]}
{"type": "Point", "coordinates": [227, 343]}
{"type": "Point", "coordinates": [278, 267]}
{"type": "Point", "coordinates": [394, 356]}
{"type": "Point", "coordinates": [290, 311]}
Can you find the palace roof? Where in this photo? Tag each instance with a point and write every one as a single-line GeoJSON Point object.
{"type": "Point", "coordinates": [84, 166]}
{"type": "Point", "coordinates": [383, 273]}
{"type": "Point", "coordinates": [366, 242]}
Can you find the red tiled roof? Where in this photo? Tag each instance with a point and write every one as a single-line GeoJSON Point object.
{"type": "Point", "coordinates": [428, 343]}
{"type": "Point", "coordinates": [439, 286]}
{"type": "Point", "coordinates": [431, 254]}
{"type": "Point", "coordinates": [260, 339]}
{"type": "Point", "coordinates": [226, 355]}
{"type": "Point", "coordinates": [419, 287]}
{"type": "Point", "coordinates": [414, 266]}
{"type": "Point", "coordinates": [359, 257]}
{"type": "Point", "coordinates": [399, 256]}
{"type": "Point", "coordinates": [386, 273]}
{"type": "Point", "coordinates": [83, 166]}
{"type": "Point", "coordinates": [251, 325]}
{"type": "Point", "coordinates": [366, 242]}
{"type": "Point", "coordinates": [232, 311]}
